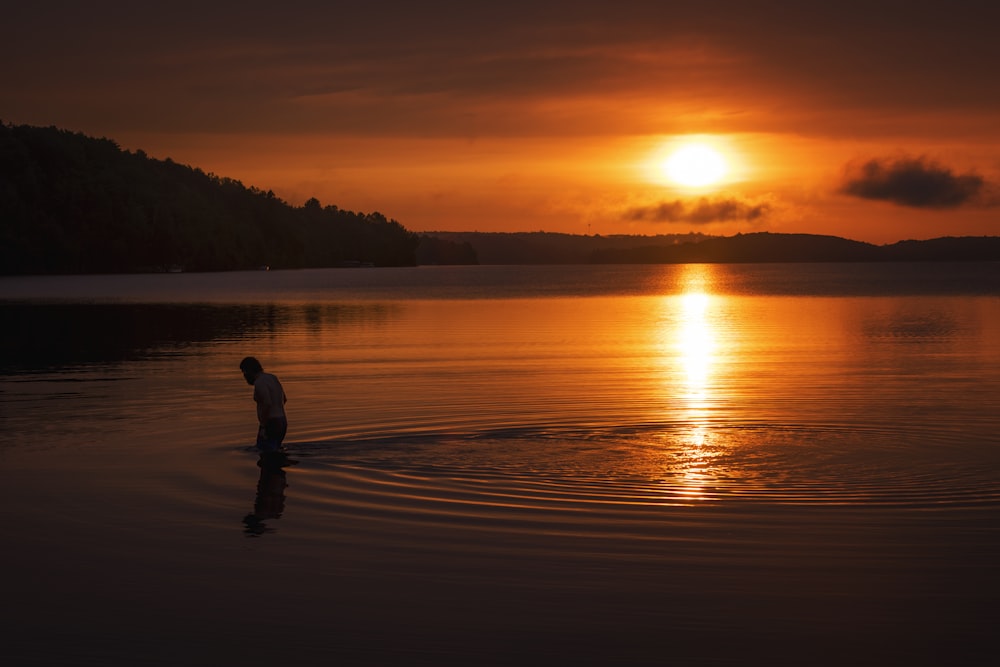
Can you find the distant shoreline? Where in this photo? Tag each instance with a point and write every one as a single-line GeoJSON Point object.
{"type": "Point", "coordinates": [761, 247]}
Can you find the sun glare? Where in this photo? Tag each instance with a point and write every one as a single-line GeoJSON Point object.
{"type": "Point", "coordinates": [695, 165]}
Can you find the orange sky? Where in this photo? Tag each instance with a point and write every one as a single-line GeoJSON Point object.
{"type": "Point", "coordinates": [871, 120]}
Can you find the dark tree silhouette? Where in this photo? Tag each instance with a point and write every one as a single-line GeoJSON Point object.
{"type": "Point", "coordinates": [75, 204]}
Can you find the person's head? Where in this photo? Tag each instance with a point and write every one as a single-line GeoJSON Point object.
{"type": "Point", "coordinates": [251, 369]}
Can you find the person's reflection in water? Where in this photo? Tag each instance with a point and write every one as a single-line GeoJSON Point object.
{"type": "Point", "coordinates": [270, 502]}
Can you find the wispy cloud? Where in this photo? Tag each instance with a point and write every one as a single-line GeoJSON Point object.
{"type": "Point", "coordinates": [702, 211]}
{"type": "Point", "coordinates": [496, 69]}
{"type": "Point", "coordinates": [916, 182]}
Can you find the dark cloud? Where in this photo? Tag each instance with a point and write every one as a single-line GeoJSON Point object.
{"type": "Point", "coordinates": [916, 182]}
{"type": "Point", "coordinates": [701, 211]}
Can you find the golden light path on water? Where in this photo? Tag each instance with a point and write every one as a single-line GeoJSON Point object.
{"type": "Point", "coordinates": [693, 342]}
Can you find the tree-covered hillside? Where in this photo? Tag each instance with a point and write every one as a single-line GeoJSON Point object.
{"type": "Point", "coordinates": [75, 204]}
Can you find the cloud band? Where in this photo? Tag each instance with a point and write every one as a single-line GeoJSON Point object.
{"type": "Point", "coordinates": [702, 211]}
{"type": "Point", "coordinates": [915, 182]}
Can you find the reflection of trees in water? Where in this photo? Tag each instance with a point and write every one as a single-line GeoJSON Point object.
{"type": "Point", "coordinates": [316, 317]}
{"type": "Point", "coordinates": [40, 336]}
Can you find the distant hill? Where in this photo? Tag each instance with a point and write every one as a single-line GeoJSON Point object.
{"type": "Point", "coordinates": [546, 248]}
{"type": "Point", "coordinates": [758, 247]}
{"type": "Point", "coordinates": [74, 204]}
{"type": "Point", "coordinates": [768, 247]}
{"type": "Point", "coordinates": [553, 248]}
{"type": "Point", "coordinates": [951, 248]}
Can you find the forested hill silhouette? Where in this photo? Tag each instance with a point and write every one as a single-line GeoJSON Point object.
{"type": "Point", "coordinates": [75, 204]}
{"type": "Point", "coordinates": [768, 247]}
{"type": "Point", "coordinates": [551, 248]}
{"type": "Point", "coordinates": [759, 247]}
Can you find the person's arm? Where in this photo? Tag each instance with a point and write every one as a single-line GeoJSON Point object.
{"type": "Point", "coordinates": [263, 402]}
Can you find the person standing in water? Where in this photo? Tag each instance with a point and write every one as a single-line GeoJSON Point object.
{"type": "Point", "coordinates": [270, 399]}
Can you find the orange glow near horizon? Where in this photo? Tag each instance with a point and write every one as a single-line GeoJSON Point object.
{"type": "Point", "coordinates": [569, 184]}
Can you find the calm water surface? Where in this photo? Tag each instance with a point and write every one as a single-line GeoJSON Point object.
{"type": "Point", "coordinates": [704, 463]}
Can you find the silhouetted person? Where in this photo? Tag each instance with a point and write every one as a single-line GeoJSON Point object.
{"type": "Point", "coordinates": [270, 399]}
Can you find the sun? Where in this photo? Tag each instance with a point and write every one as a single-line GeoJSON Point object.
{"type": "Point", "coordinates": [695, 165]}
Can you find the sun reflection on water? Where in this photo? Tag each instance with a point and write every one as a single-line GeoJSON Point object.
{"type": "Point", "coordinates": [693, 347]}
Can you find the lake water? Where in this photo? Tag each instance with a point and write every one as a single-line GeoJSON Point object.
{"type": "Point", "coordinates": [697, 464]}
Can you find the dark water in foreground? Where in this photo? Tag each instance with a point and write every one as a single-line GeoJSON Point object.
{"type": "Point", "coordinates": [762, 464]}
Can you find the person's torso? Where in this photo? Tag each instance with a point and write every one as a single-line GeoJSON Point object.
{"type": "Point", "coordinates": [268, 387]}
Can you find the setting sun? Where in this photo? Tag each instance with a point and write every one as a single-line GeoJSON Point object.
{"type": "Point", "coordinates": [695, 165]}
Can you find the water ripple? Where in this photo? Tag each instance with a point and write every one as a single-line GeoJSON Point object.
{"type": "Point", "coordinates": [565, 471]}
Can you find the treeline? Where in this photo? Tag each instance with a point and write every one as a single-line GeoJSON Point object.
{"type": "Point", "coordinates": [552, 247]}
{"type": "Point", "coordinates": [75, 204]}
{"type": "Point", "coordinates": [768, 247]}
{"type": "Point", "coordinates": [763, 247]}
